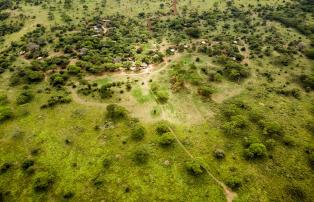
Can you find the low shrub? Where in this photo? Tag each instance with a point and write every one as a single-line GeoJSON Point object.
{"type": "Point", "coordinates": [234, 182]}
{"type": "Point", "coordinates": [219, 154]}
{"type": "Point", "coordinates": [116, 112]}
{"type": "Point", "coordinates": [138, 132]}
{"type": "Point", "coordinates": [140, 155]}
{"type": "Point", "coordinates": [255, 151]}
{"type": "Point", "coordinates": [166, 139]}
{"type": "Point", "coordinates": [24, 97]}
{"type": "Point", "coordinates": [5, 113]}
{"type": "Point", "coordinates": [271, 128]}
{"type": "Point", "coordinates": [43, 182]}
{"type": "Point", "coordinates": [295, 192]}
{"type": "Point", "coordinates": [27, 164]}
{"type": "Point", "coordinates": [5, 167]}
{"type": "Point", "coordinates": [55, 100]}
{"type": "Point", "coordinates": [195, 168]}
{"type": "Point", "coordinates": [162, 127]}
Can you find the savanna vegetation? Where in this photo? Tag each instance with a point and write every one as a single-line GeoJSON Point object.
{"type": "Point", "coordinates": [146, 100]}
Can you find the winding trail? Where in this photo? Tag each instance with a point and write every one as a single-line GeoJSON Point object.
{"type": "Point", "coordinates": [229, 194]}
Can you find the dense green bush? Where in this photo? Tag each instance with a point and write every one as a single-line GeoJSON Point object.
{"type": "Point", "coordinates": [140, 155]}
{"type": "Point", "coordinates": [5, 167]}
{"type": "Point", "coordinates": [116, 112]}
{"type": "Point", "coordinates": [236, 125]}
{"type": "Point", "coordinates": [219, 154]}
{"type": "Point", "coordinates": [166, 139]}
{"type": "Point", "coordinates": [24, 97]}
{"type": "Point", "coordinates": [27, 164]}
{"type": "Point", "coordinates": [105, 92]}
{"type": "Point", "coordinates": [234, 182]}
{"type": "Point", "coordinates": [255, 151]}
{"type": "Point", "coordinates": [58, 79]}
{"type": "Point", "coordinates": [206, 91]}
{"type": "Point", "coordinates": [271, 128]}
{"type": "Point", "coordinates": [162, 127]}
{"type": "Point", "coordinates": [295, 192]}
{"type": "Point", "coordinates": [194, 168]}
{"type": "Point", "coordinates": [55, 100]}
{"type": "Point", "coordinates": [307, 81]}
{"type": "Point", "coordinates": [193, 32]}
{"type": "Point", "coordinates": [43, 182]}
{"type": "Point", "coordinates": [73, 69]}
{"type": "Point", "coordinates": [5, 113]}
{"type": "Point", "coordinates": [138, 132]}
{"type": "Point", "coordinates": [310, 53]}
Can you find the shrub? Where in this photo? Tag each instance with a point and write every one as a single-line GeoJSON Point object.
{"type": "Point", "coordinates": [3, 99]}
{"type": "Point", "coordinates": [24, 97]}
{"type": "Point", "coordinates": [55, 100]}
{"type": "Point", "coordinates": [140, 155]}
{"type": "Point", "coordinates": [219, 154]}
{"type": "Point", "coordinates": [234, 182]}
{"type": "Point", "coordinates": [73, 69]}
{"type": "Point", "coordinates": [194, 168]}
{"type": "Point", "coordinates": [235, 125]}
{"type": "Point", "coordinates": [106, 162]}
{"type": "Point", "coordinates": [295, 192]}
{"type": "Point", "coordinates": [193, 32]}
{"type": "Point", "coordinates": [58, 79]}
{"type": "Point", "coordinates": [43, 182]}
{"type": "Point", "coordinates": [206, 91]}
{"type": "Point", "coordinates": [105, 92]}
{"type": "Point", "coordinates": [162, 96]}
{"type": "Point", "coordinates": [307, 81]}
{"type": "Point", "coordinates": [162, 127]}
{"type": "Point", "coordinates": [5, 113]}
{"type": "Point", "coordinates": [271, 128]}
{"type": "Point", "coordinates": [310, 53]}
{"type": "Point", "coordinates": [311, 160]}
{"type": "Point", "coordinates": [255, 151]}
{"type": "Point", "coordinates": [5, 168]}
{"type": "Point", "coordinates": [166, 139]}
{"type": "Point", "coordinates": [27, 164]}
{"type": "Point", "coordinates": [116, 112]}
{"type": "Point", "coordinates": [138, 132]}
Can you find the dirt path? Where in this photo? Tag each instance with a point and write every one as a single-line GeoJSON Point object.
{"type": "Point", "coordinates": [230, 195]}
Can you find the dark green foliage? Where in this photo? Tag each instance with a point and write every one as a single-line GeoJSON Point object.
{"type": "Point", "coordinates": [235, 71]}
{"type": "Point", "coordinates": [116, 112]}
{"type": "Point", "coordinates": [24, 97]}
{"type": "Point", "coordinates": [106, 163]}
{"type": "Point", "coordinates": [166, 139]}
{"type": "Point", "coordinates": [138, 132]}
{"type": "Point", "coordinates": [68, 195]}
{"type": "Point", "coordinates": [56, 100]}
{"type": "Point", "coordinates": [58, 79]}
{"type": "Point", "coordinates": [206, 91]}
{"type": "Point", "coordinates": [310, 53]}
{"type": "Point", "coordinates": [73, 69]}
{"type": "Point", "coordinates": [311, 160]}
{"type": "Point", "coordinates": [162, 127]}
{"type": "Point", "coordinates": [105, 92]}
{"type": "Point", "coordinates": [43, 182]}
{"type": "Point", "coordinates": [236, 125]}
{"type": "Point", "coordinates": [307, 81]}
{"type": "Point", "coordinates": [5, 167]}
{"type": "Point", "coordinates": [140, 155]}
{"type": "Point", "coordinates": [295, 192]}
{"type": "Point", "coordinates": [27, 164]}
{"type": "Point", "coordinates": [5, 113]}
{"type": "Point", "coordinates": [194, 167]}
{"type": "Point", "coordinates": [271, 128]}
{"type": "Point", "coordinates": [193, 32]}
{"type": "Point", "coordinates": [234, 182]}
{"type": "Point", "coordinates": [255, 151]}
{"type": "Point", "coordinates": [219, 154]}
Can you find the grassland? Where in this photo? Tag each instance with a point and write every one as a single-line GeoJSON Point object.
{"type": "Point", "coordinates": [127, 101]}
